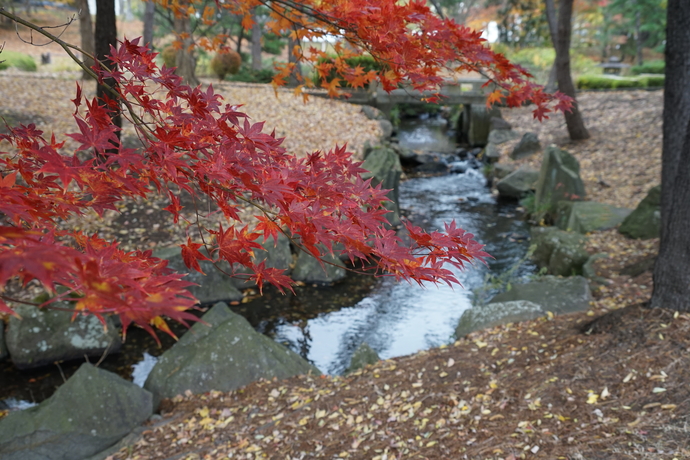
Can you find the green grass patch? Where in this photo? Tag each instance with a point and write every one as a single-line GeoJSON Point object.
{"type": "Point", "coordinates": [17, 60]}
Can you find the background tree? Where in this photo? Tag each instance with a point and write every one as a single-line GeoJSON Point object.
{"type": "Point", "coordinates": [561, 43]}
{"type": "Point", "coordinates": [105, 37]}
{"type": "Point", "coordinates": [672, 268]}
{"type": "Point", "coordinates": [87, 33]}
{"type": "Point", "coordinates": [642, 21]}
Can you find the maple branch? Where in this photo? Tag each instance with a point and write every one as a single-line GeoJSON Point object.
{"type": "Point", "coordinates": [68, 47]}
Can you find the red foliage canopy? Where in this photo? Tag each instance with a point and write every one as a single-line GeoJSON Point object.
{"type": "Point", "coordinates": [194, 143]}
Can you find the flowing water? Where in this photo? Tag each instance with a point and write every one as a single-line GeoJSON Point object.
{"type": "Point", "coordinates": [326, 325]}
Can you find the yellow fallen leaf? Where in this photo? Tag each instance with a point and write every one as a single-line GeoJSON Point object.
{"type": "Point", "coordinates": [480, 344]}
{"type": "Point", "coordinates": [658, 390]}
{"type": "Point", "coordinates": [203, 412]}
{"type": "Point", "coordinates": [628, 377]}
{"type": "Point", "coordinates": [303, 421]}
{"type": "Point", "coordinates": [592, 398]}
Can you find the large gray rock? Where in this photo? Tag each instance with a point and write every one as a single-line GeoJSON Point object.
{"type": "Point", "coordinates": [501, 136]}
{"type": "Point", "coordinates": [44, 336]}
{"type": "Point", "coordinates": [518, 183]}
{"type": "Point", "coordinates": [588, 216]}
{"type": "Point", "coordinates": [386, 129]}
{"type": "Point", "coordinates": [362, 357]}
{"type": "Point", "coordinates": [645, 221]}
{"type": "Point", "coordinates": [501, 170]}
{"type": "Point", "coordinates": [499, 123]}
{"type": "Point", "coordinates": [92, 411]}
{"type": "Point", "coordinates": [309, 269]}
{"type": "Point", "coordinates": [225, 356]}
{"type": "Point", "coordinates": [589, 272]}
{"type": "Point", "coordinates": [497, 313]}
{"type": "Point", "coordinates": [559, 180]}
{"type": "Point", "coordinates": [384, 168]}
{"type": "Point", "coordinates": [528, 146]}
{"type": "Point", "coordinates": [562, 253]}
{"type": "Point", "coordinates": [557, 295]}
{"type": "Point", "coordinates": [491, 154]}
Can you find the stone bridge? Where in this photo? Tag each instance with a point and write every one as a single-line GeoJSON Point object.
{"type": "Point", "coordinates": [473, 123]}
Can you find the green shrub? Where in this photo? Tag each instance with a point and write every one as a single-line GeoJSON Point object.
{"type": "Point", "coordinates": [247, 75]}
{"type": "Point", "coordinates": [272, 43]}
{"type": "Point", "coordinates": [658, 67]}
{"type": "Point", "coordinates": [17, 60]}
{"type": "Point", "coordinates": [608, 82]}
{"type": "Point", "coordinates": [226, 62]}
{"type": "Point", "coordinates": [366, 62]}
{"type": "Point", "coordinates": [653, 80]}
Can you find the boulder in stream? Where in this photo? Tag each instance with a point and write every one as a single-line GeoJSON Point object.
{"type": "Point", "coordinates": [497, 313]}
{"type": "Point", "coordinates": [518, 183]}
{"type": "Point", "coordinates": [92, 411]}
{"type": "Point", "coordinates": [310, 270]}
{"type": "Point", "coordinates": [44, 336]}
{"type": "Point", "coordinates": [213, 286]}
{"type": "Point", "coordinates": [557, 295]}
{"type": "Point", "coordinates": [562, 253]}
{"type": "Point", "coordinates": [223, 355]}
{"type": "Point", "coordinates": [528, 146]}
{"type": "Point", "coordinates": [559, 180]}
{"type": "Point", "coordinates": [384, 168]}
{"type": "Point", "coordinates": [362, 357]}
{"type": "Point", "coordinates": [501, 136]}
{"type": "Point", "coordinates": [588, 216]}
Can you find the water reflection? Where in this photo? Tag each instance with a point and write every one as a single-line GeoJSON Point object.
{"type": "Point", "coordinates": [398, 319]}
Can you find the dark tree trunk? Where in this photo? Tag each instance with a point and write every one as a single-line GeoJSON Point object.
{"type": "Point", "coordinates": [149, 14]}
{"type": "Point", "coordinates": [672, 268]}
{"type": "Point", "coordinates": [185, 60]}
{"type": "Point", "coordinates": [86, 32]}
{"type": "Point", "coordinates": [105, 37]}
{"type": "Point", "coordinates": [240, 37]}
{"type": "Point", "coordinates": [561, 43]}
{"type": "Point", "coordinates": [257, 32]}
{"type": "Point", "coordinates": [438, 8]}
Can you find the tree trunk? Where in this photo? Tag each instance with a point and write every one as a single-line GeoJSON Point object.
{"type": "Point", "coordinates": [672, 268]}
{"type": "Point", "coordinates": [638, 38]}
{"type": "Point", "coordinates": [105, 37]}
{"type": "Point", "coordinates": [561, 43]}
{"type": "Point", "coordinates": [149, 13]}
{"type": "Point", "coordinates": [185, 60]}
{"type": "Point", "coordinates": [240, 37]}
{"type": "Point", "coordinates": [296, 75]}
{"type": "Point", "coordinates": [86, 32]}
{"type": "Point", "coordinates": [257, 32]}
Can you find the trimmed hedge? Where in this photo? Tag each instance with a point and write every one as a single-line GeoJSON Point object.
{"type": "Point", "coordinates": [366, 62]}
{"type": "Point", "coordinates": [248, 75]}
{"type": "Point", "coordinates": [17, 60]}
{"type": "Point", "coordinates": [658, 67]}
{"type": "Point", "coordinates": [614, 82]}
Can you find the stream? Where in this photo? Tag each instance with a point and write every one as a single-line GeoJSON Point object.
{"type": "Point", "coordinates": [326, 325]}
